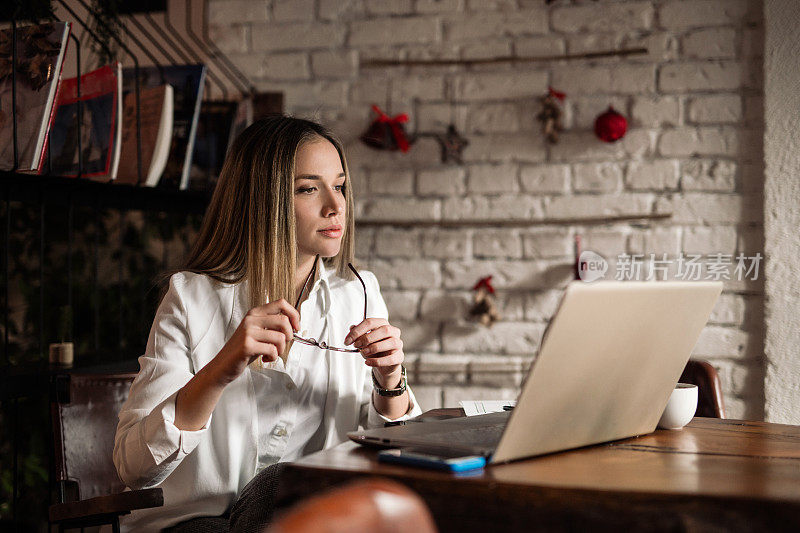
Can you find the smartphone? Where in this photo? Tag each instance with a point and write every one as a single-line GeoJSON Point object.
{"type": "Point", "coordinates": [435, 458]}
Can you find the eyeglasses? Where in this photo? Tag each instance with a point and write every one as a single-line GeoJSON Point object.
{"type": "Point", "coordinates": [322, 344]}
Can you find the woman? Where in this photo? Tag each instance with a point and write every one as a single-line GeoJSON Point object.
{"type": "Point", "coordinates": [281, 380]}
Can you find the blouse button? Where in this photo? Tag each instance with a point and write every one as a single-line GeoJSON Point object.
{"type": "Point", "coordinates": [280, 431]}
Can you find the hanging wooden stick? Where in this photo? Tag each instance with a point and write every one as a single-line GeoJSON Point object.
{"type": "Point", "coordinates": [509, 59]}
{"type": "Point", "coordinates": [505, 223]}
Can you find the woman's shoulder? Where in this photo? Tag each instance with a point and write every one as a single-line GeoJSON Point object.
{"type": "Point", "coordinates": [195, 285]}
{"type": "Point", "coordinates": [187, 278]}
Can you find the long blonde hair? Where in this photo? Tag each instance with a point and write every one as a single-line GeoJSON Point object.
{"type": "Point", "coordinates": [248, 231]}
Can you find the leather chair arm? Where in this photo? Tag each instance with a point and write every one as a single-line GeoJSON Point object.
{"type": "Point", "coordinates": [105, 506]}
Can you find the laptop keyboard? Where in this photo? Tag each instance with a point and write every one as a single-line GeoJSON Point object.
{"type": "Point", "coordinates": [483, 436]}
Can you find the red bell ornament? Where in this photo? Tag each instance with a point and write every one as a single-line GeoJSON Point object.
{"type": "Point", "coordinates": [387, 133]}
{"type": "Point", "coordinates": [610, 126]}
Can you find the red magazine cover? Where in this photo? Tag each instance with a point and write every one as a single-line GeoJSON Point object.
{"type": "Point", "coordinates": [99, 126]}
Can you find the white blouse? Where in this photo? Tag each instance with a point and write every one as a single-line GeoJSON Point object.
{"type": "Point", "coordinates": [272, 412]}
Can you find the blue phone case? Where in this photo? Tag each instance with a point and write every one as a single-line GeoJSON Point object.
{"type": "Point", "coordinates": [449, 464]}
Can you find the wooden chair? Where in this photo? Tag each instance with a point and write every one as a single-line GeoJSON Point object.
{"type": "Point", "coordinates": [84, 414]}
{"type": "Point", "coordinates": [709, 394]}
{"type": "Point", "coordinates": [363, 506]}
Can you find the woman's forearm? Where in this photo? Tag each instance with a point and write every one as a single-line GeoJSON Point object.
{"type": "Point", "coordinates": [197, 399]}
{"type": "Point", "coordinates": [392, 408]}
{"type": "Point", "coordinates": [263, 332]}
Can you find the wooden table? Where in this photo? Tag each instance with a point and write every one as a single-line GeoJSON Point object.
{"type": "Point", "coordinates": [723, 475]}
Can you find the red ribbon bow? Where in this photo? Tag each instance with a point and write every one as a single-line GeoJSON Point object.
{"type": "Point", "coordinates": [484, 283]}
{"type": "Point", "coordinates": [556, 94]}
{"type": "Point", "coordinates": [394, 123]}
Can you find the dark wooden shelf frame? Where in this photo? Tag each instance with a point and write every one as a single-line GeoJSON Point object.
{"type": "Point", "coordinates": [57, 190]}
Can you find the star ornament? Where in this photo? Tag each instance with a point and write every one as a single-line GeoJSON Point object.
{"type": "Point", "coordinates": [452, 144]}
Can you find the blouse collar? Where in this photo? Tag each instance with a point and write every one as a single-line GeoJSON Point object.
{"type": "Point", "coordinates": [322, 284]}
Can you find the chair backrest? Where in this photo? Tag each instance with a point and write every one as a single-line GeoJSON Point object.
{"type": "Point", "coordinates": [84, 417]}
{"type": "Point", "coordinates": [366, 505]}
{"type": "Point", "coordinates": [709, 390]}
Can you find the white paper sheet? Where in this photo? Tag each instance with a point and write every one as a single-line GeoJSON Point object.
{"type": "Point", "coordinates": [481, 407]}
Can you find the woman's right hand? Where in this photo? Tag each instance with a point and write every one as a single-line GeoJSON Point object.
{"type": "Point", "coordinates": [263, 332]}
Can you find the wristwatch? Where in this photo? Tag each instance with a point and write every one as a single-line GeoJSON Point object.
{"type": "Point", "coordinates": [401, 388]}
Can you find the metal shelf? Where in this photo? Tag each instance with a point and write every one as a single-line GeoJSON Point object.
{"type": "Point", "coordinates": [57, 190]}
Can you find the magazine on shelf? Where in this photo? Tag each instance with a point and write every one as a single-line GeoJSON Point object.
{"type": "Point", "coordinates": [187, 83]}
{"type": "Point", "coordinates": [40, 56]}
{"type": "Point", "coordinates": [155, 119]}
{"type": "Point", "coordinates": [115, 154]}
{"type": "Point", "coordinates": [96, 137]}
{"type": "Point", "coordinates": [211, 144]}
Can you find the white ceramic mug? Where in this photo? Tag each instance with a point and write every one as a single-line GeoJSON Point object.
{"type": "Point", "coordinates": [680, 408]}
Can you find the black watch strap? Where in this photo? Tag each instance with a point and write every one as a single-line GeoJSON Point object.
{"type": "Point", "coordinates": [401, 388]}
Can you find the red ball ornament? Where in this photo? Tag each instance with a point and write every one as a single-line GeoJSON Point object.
{"type": "Point", "coordinates": [610, 126]}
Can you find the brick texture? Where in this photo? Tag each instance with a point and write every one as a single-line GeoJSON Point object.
{"type": "Point", "coordinates": [679, 15]}
{"type": "Point", "coordinates": [694, 149]}
{"type": "Point", "coordinates": [686, 77]}
{"type": "Point", "coordinates": [612, 17]}
{"type": "Point", "coordinates": [721, 108]}
{"type": "Point", "coordinates": [387, 31]}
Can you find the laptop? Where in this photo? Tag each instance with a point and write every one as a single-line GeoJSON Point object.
{"type": "Point", "coordinates": [607, 365]}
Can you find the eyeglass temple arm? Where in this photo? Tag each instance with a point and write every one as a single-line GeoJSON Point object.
{"type": "Point", "coordinates": [310, 275]}
{"type": "Point", "coordinates": [351, 267]}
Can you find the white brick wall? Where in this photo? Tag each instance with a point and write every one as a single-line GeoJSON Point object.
{"type": "Point", "coordinates": [274, 36]}
{"type": "Point", "coordinates": [385, 31]}
{"type": "Point", "coordinates": [719, 108]}
{"type": "Point", "coordinates": [232, 11]}
{"type": "Point", "coordinates": [695, 109]}
{"type": "Point", "coordinates": [597, 177]}
{"type": "Point", "coordinates": [397, 243]}
{"type": "Point", "coordinates": [710, 43]}
{"type": "Point", "coordinates": [708, 175]}
{"type": "Point", "coordinates": [680, 15]}
{"type": "Point", "coordinates": [654, 111]}
{"type": "Point", "coordinates": [493, 118]}
{"type": "Point", "coordinates": [687, 77]}
{"type": "Point", "coordinates": [545, 179]}
{"type": "Point", "coordinates": [683, 142]}
{"type": "Point", "coordinates": [293, 10]}
{"type": "Point", "coordinates": [627, 16]}
{"type": "Point", "coordinates": [488, 178]}
{"type": "Point", "coordinates": [497, 86]}
{"type": "Point", "coordinates": [444, 181]}
{"type": "Point", "coordinates": [497, 243]}
{"type": "Point", "coordinates": [658, 175]}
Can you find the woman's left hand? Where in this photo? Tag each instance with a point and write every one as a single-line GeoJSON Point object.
{"type": "Point", "coordinates": [380, 345]}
